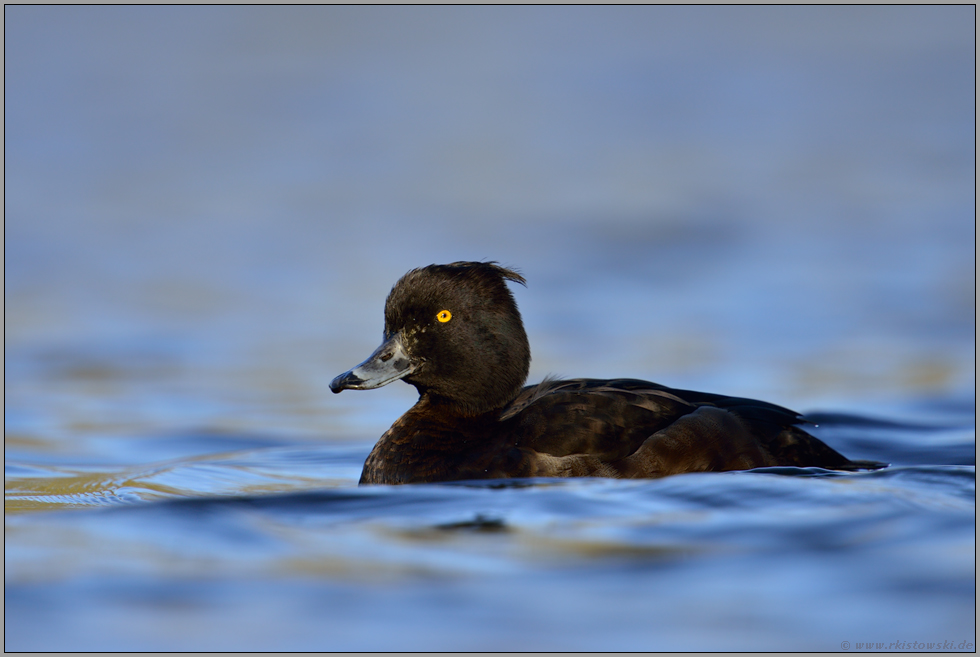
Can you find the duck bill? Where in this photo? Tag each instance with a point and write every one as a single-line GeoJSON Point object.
{"type": "Point", "coordinates": [388, 363]}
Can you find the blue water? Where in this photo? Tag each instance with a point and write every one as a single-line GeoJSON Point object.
{"type": "Point", "coordinates": [205, 208]}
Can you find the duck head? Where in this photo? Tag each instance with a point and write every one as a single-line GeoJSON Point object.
{"type": "Point", "coordinates": [454, 332]}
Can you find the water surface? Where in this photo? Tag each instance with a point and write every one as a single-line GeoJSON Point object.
{"type": "Point", "coordinates": [205, 208]}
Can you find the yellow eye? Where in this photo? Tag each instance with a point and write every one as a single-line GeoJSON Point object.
{"type": "Point", "coordinates": [444, 316]}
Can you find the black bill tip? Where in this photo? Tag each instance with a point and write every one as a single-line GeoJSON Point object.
{"type": "Point", "coordinates": [344, 381]}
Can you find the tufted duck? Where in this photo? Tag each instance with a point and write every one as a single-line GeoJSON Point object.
{"type": "Point", "coordinates": [454, 332]}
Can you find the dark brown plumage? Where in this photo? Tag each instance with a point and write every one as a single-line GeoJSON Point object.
{"type": "Point", "coordinates": [455, 333]}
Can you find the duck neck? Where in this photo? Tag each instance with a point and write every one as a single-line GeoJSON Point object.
{"type": "Point", "coordinates": [460, 412]}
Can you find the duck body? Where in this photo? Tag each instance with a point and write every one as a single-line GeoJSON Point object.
{"type": "Point", "coordinates": [454, 332]}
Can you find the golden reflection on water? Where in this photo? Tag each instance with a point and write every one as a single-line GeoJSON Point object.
{"type": "Point", "coordinates": [841, 371]}
{"type": "Point", "coordinates": [54, 488]}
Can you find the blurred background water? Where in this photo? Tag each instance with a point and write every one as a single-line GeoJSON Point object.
{"type": "Point", "coordinates": [204, 211]}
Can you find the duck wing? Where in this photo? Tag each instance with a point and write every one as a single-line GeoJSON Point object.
{"type": "Point", "coordinates": [606, 418]}
{"type": "Point", "coordinates": [634, 428]}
